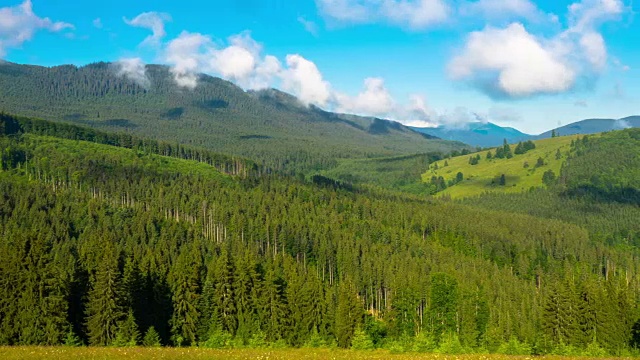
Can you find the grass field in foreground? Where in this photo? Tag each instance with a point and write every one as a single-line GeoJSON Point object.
{"type": "Point", "coordinates": [482, 177]}
{"type": "Point", "coordinates": [93, 353]}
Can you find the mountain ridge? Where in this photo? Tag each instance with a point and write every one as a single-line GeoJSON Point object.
{"type": "Point", "coordinates": [488, 134]}
{"type": "Point", "coordinates": [268, 125]}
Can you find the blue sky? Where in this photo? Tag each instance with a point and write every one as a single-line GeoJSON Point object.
{"type": "Point", "coordinates": [530, 65]}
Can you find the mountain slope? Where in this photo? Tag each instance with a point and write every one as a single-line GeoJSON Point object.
{"type": "Point", "coordinates": [521, 172]}
{"type": "Point", "coordinates": [86, 224]}
{"type": "Point", "coordinates": [477, 134]}
{"type": "Point", "coordinates": [593, 126]}
{"type": "Point", "coordinates": [267, 125]}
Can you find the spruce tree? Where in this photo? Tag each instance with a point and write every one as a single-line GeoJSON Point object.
{"type": "Point", "coordinates": [128, 334]}
{"type": "Point", "coordinates": [185, 299]}
{"type": "Point", "coordinates": [104, 310]}
{"type": "Point", "coordinates": [151, 338]}
{"type": "Point", "coordinates": [348, 314]}
{"type": "Point", "coordinates": [443, 299]}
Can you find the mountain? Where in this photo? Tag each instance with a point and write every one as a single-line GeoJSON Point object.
{"type": "Point", "coordinates": [269, 125]}
{"type": "Point", "coordinates": [593, 126]}
{"type": "Point", "coordinates": [477, 134]}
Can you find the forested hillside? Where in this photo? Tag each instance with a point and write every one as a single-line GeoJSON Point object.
{"type": "Point", "coordinates": [507, 168]}
{"type": "Point", "coordinates": [117, 245]}
{"type": "Point", "coordinates": [269, 126]}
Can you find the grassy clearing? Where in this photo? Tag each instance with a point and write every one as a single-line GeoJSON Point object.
{"type": "Point", "coordinates": [484, 176]}
{"type": "Point", "coordinates": [92, 353]}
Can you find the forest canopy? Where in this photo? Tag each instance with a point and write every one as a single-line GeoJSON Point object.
{"type": "Point", "coordinates": [105, 240]}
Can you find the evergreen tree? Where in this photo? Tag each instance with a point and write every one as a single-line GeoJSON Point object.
{"type": "Point", "coordinates": [224, 293]}
{"type": "Point", "coordinates": [104, 310]}
{"type": "Point", "coordinates": [348, 314]}
{"type": "Point", "coordinates": [361, 340]}
{"type": "Point", "coordinates": [185, 299]}
{"type": "Point", "coordinates": [151, 338]}
{"type": "Point", "coordinates": [72, 340]}
{"type": "Point", "coordinates": [443, 299]}
{"type": "Point", "coordinates": [128, 334]}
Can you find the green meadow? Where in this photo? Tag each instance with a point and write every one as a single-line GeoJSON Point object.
{"type": "Point", "coordinates": [522, 172]}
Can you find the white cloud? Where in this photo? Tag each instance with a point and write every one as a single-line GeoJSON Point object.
{"type": "Point", "coordinates": [97, 23]}
{"type": "Point", "coordinates": [185, 56]}
{"type": "Point", "coordinates": [18, 24]}
{"type": "Point", "coordinates": [413, 14]}
{"type": "Point", "coordinates": [153, 21]}
{"type": "Point", "coordinates": [513, 62]}
{"type": "Point", "coordinates": [303, 78]}
{"type": "Point", "coordinates": [374, 100]}
{"type": "Point", "coordinates": [310, 26]}
{"type": "Point", "coordinates": [265, 73]}
{"type": "Point", "coordinates": [238, 61]}
{"type": "Point", "coordinates": [594, 49]}
{"type": "Point", "coordinates": [457, 118]}
{"type": "Point", "coordinates": [588, 14]}
{"type": "Point", "coordinates": [133, 69]}
{"type": "Point", "coordinates": [241, 61]}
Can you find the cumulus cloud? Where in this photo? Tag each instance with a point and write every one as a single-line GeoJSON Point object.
{"type": "Point", "coordinates": [241, 61]}
{"type": "Point", "coordinates": [19, 24]}
{"type": "Point", "coordinates": [238, 61]}
{"type": "Point", "coordinates": [153, 21]}
{"type": "Point", "coordinates": [303, 78]}
{"type": "Point", "coordinates": [581, 103]}
{"type": "Point", "coordinates": [374, 99]}
{"type": "Point", "coordinates": [184, 55]}
{"type": "Point", "coordinates": [413, 14]}
{"type": "Point", "coordinates": [133, 69]}
{"type": "Point", "coordinates": [511, 62]}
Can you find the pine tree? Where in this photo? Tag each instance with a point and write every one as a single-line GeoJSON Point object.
{"type": "Point", "coordinates": [443, 299]}
{"type": "Point", "coordinates": [151, 338]}
{"type": "Point", "coordinates": [224, 293]}
{"type": "Point", "coordinates": [207, 305]}
{"type": "Point", "coordinates": [361, 341]}
{"type": "Point", "coordinates": [348, 314]}
{"type": "Point", "coordinates": [71, 339]}
{"type": "Point", "coordinates": [185, 298]}
{"type": "Point", "coordinates": [128, 334]}
{"type": "Point", "coordinates": [271, 304]}
{"type": "Point", "coordinates": [103, 306]}
{"type": "Point", "coordinates": [243, 283]}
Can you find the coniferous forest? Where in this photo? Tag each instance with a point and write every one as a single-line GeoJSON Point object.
{"type": "Point", "coordinates": [107, 239]}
